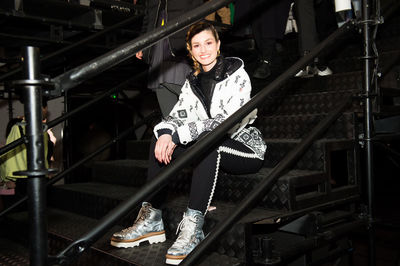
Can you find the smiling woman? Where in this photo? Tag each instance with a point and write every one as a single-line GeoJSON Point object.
{"type": "Point", "coordinates": [216, 88]}
{"type": "Point", "coordinates": [204, 47]}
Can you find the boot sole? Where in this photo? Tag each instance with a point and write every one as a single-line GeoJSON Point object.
{"type": "Point", "coordinates": [156, 237]}
{"type": "Point", "coordinates": [174, 261]}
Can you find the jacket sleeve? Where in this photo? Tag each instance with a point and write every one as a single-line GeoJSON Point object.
{"type": "Point", "coordinates": [181, 113]}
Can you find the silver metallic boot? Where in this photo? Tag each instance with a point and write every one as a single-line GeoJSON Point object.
{"type": "Point", "coordinates": [148, 226]}
{"type": "Point", "coordinates": [191, 234]}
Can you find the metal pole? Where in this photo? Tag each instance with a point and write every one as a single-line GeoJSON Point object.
{"type": "Point", "coordinates": [368, 127]}
{"type": "Point", "coordinates": [36, 189]}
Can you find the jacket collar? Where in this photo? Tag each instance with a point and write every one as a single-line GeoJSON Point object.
{"type": "Point", "coordinates": [223, 68]}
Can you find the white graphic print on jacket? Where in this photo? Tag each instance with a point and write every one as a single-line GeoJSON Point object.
{"type": "Point", "coordinates": [189, 117]}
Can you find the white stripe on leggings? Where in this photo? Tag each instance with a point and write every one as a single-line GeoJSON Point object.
{"type": "Point", "coordinates": [228, 151]}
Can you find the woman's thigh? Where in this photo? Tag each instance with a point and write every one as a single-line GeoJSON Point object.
{"type": "Point", "coordinates": [236, 158]}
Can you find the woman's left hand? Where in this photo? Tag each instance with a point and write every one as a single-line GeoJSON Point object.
{"type": "Point", "coordinates": [164, 149]}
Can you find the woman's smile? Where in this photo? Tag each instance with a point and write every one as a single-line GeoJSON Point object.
{"type": "Point", "coordinates": [205, 49]}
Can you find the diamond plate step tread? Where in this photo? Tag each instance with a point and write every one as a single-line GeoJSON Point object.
{"type": "Point", "coordinates": [232, 243]}
{"type": "Point", "coordinates": [310, 103]}
{"type": "Point", "coordinates": [12, 253]}
{"type": "Point", "coordinates": [234, 188]}
{"type": "Point", "coordinates": [295, 126]}
{"type": "Point", "coordinates": [313, 158]}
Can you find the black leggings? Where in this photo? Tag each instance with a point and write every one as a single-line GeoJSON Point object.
{"type": "Point", "coordinates": [231, 156]}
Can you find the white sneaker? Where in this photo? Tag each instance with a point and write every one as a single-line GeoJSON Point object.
{"type": "Point", "coordinates": [326, 72]}
{"type": "Point", "coordinates": [306, 72]}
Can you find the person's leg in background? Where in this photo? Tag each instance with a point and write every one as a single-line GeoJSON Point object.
{"type": "Point", "coordinates": [268, 27]}
{"type": "Point", "coordinates": [309, 38]}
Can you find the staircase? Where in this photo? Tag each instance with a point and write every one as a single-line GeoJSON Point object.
{"type": "Point", "coordinates": [320, 193]}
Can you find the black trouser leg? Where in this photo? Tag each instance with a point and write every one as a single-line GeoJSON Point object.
{"type": "Point", "coordinates": [158, 198]}
{"type": "Point", "coordinates": [232, 157]}
{"type": "Point", "coordinates": [308, 35]}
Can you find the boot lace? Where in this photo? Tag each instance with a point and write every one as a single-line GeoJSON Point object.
{"type": "Point", "coordinates": [187, 227]}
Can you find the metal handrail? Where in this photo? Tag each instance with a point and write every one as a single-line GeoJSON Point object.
{"type": "Point", "coordinates": [96, 66]}
{"type": "Point", "coordinates": [192, 153]}
{"type": "Point", "coordinates": [75, 44]}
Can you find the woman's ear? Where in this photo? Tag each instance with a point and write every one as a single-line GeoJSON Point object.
{"type": "Point", "coordinates": [218, 44]}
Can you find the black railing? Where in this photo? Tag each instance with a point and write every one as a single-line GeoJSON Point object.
{"type": "Point", "coordinates": [94, 67]}
{"type": "Point", "coordinates": [76, 44]}
{"type": "Point", "coordinates": [126, 133]}
{"type": "Point", "coordinates": [197, 150]}
{"type": "Point", "coordinates": [266, 184]}
{"type": "Point", "coordinates": [74, 112]}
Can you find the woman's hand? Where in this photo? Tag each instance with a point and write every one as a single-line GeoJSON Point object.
{"type": "Point", "coordinates": [164, 149]}
{"type": "Point", "coordinates": [139, 55]}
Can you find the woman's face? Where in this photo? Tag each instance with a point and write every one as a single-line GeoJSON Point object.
{"type": "Point", "coordinates": [205, 49]}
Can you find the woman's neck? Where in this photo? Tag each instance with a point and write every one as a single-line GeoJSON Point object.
{"type": "Point", "coordinates": [209, 67]}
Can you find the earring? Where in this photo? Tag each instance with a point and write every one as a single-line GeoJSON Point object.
{"type": "Point", "coordinates": [218, 52]}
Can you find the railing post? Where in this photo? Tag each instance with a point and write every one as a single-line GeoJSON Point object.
{"type": "Point", "coordinates": [368, 126]}
{"type": "Point", "coordinates": [36, 187]}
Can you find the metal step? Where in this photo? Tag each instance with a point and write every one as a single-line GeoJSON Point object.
{"type": "Point", "coordinates": [13, 253]}
{"type": "Point", "coordinates": [297, 126]}
{"type": "Point", "coordinates": [309, 103]}
{"type": "Point", "coordinates": [91, 199]}
{"type": "Point", "coordinates": [124, 172]}
{"type": "Point", "coordinates": [137, 149]}
{"type": "Point", "coordinates": [64, 227]}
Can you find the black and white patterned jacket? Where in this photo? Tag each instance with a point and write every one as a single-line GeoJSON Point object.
{"type": "Point", "coordinates": [190, 116]}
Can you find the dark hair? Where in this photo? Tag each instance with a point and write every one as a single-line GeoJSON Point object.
{"type": "Point", "coordinates": [193, 30]}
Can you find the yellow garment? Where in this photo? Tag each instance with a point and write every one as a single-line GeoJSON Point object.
{"type": "Point", "coordinates": [15, 160]}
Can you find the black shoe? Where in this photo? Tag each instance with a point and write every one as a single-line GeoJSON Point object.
{"type": "Point", "coordinates": [263, 70]}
